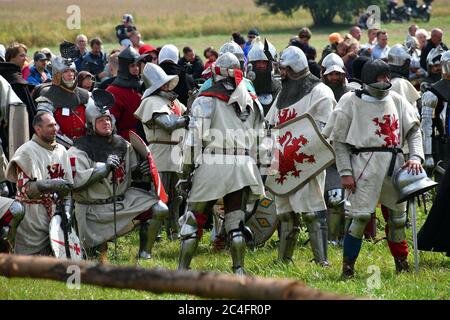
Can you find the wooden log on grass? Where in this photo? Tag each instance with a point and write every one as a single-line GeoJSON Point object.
{"type": "Point", "coordinates": [202, 284]}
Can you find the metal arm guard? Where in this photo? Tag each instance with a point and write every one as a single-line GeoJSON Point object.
{"type": "Point", "coordinates": [429, 102]}
{"type": "Point", "coordinates": [101, 170]}
{"type": "Point", "coordinates": [37, 188]}
{"type": "Point", "coordinates": [170, 123]}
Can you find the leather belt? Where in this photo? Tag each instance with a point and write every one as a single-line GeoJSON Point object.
{"type": "Point", "coordinates": [224, 151]}
{"type": "Point", "coordinates": [394, 152]}
{"type": "Point", "coordinates": [101, 201]}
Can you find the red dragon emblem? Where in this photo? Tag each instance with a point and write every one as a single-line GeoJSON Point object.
{"type": "Point", "coordinates": [119, 173]}
{"type": "Point", "coordinates": [285, 115]}
{"type": "Point", "coordinates": [290, 155]}
{"type": "Point", "coordinates": [388, 128]}
{"type": "Point", "coordinates": [55, 171]}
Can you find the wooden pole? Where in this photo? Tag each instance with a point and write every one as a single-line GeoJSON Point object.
{"type": "Point", "coordinates": [202, 284]}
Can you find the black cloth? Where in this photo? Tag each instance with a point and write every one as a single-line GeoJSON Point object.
{"type": "Point", "coordinates": [98, 148]}
{"type": "Point", "coordinates": [94, 64]}
{"type": "Point", "coordinates": [105, 83]}
{"type": "Point", "coordinates": [426, 51]}
{"type": "Point", "coordinates": [122, 31]}
{"type": "Point", "coordinates": [185, 83]}
{"type": "Point", "coordinates": [22, 89]}
{"type": "Point", "coordinates": [435, 233]}
{"type": "Point", "coordinates": [314, 68]}
{"type": "Point", "coordinates": [194, 68]}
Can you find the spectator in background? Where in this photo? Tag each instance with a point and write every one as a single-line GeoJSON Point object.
{"type": "Point", "coordinates": [50, 56]}
{"type": "Point", "coordinates": [94, 61]}
{"type": "Point", "coordinates": [412, 31]}
{"type": "Point", "coordinates": [422, 36]}
{"type": "Point", "coordinates": [434, 41]}
{"type": "Point", "coordinates": [135, 38]}
{"type": "Point", "coordinates": [334, 39]}
{"type": "Point", "coordinates": [81, 42]}
{"type": "Point", "coordinates": [123, 30]}
{"type": "Point", "coordinates": [38, 72]}
{"type": "Point", "coordinates": [85, 80]}
{"type": "Point", "coordinates": [304, 35]}
{"type": "Point", "coordinates": [191, 63]}
{"type": "Point", "coordinates": [238, 39]}
{"type": "Point", "coordinates": [152, 53]}
{"type": "Point", "coordinates": [355, 31]}
{"type": "Point", "coordinates": [371, 40]}
{"type": "Point", "coordinates": [311, 55]}
{"type": "Point", "coordinates": [381, 49]}
{"type": "Point", "coordinates": [252, 34]}
{"type": "Point", "coordinates": [112, 68]}
{"type": "Point", "coordinates": [211, 56]}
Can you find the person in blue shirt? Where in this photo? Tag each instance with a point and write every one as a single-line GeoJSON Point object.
{"type": "Point", "coordinates": [252, 34]}
{"type": "Point", "coordinates": [38, 72]}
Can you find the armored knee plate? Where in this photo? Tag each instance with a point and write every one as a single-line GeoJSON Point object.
{"type": "Point", "coordinates": [317, 235]}
{"type": "Point", "coordinates": [160, 211]}
{"type": "Point", "coordinates": [18, 212]}
{"type": "Point", "coordinates": [396, 226]}
{"type": "Point", "coordinates": [359, 223]}
{"type": "Point", "coordinates": [289, 230]}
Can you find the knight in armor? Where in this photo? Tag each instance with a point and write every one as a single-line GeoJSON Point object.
{"type": "Point", "coordinates": [219, 157]}
{"type": "Point", "coordinates": [235, 49]}
{"type": "Point", "coordinates": [399, 61]}
{"type": "Point", "coordinates": [302, 93]}
{"type": "Point", "coordinates": [368, 128]}
{"type": "Point", "coordinates": [162, 116]}
{"type": "Point", "coordinates": [260, 71]}
{"type": "Point", "coordinates": [435, 118]}
{"type": "Point", "coordinates": [63, 97]}
{"type": "Point", "coordinates": [125, 90]}
{"type": "Point", "coordinates": [104, 166]}
{"type": "Point", "coordinates": [434, 69]}
{"type": "Point", "coordinates": [40, 168]}
{"type": "Point", "coordinates": [333, 75]}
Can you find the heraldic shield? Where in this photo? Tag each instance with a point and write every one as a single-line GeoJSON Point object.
{"type": "Point", "coordinates": [300, 153]}
{"type": "Point", "coordinates": [58, 243]}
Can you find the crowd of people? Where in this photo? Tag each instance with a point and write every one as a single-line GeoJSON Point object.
{"type": "Point", "coordinates": [153, 138]}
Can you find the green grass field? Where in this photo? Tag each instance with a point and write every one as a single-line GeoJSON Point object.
{"type": "Point", "coordinates": [431, 283]}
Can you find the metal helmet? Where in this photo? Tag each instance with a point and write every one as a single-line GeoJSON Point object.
{"type": "Point", "coordinates": [332, 62]}
{"type": "Point", "coordinates": [98, 107]}
{"type": "Point", "coordinates": [398, 55]}
{"type": "Point", "coordinates": [155, 77]}
{"type": "Point", "coordinates": [370, 72]}
{"type": "Point", "coordinates": [445, 62]}
{"type": "Point", "coordinates": [168, 52]}
{"type": "Point", "coordinates": [59, 66]}
{"type": "Point", "coordinates": [411, 185]}
{"type": "Point", "coordinates": [228, 61]}
{"type": "Point", "coordinates": [257, 52]}
{"type": "Point", "coordinates": [434, 57]}
{"type": "Point", "coordinates": [233, 48]}
{"type": "Point", "coordinates": [294, 58]}
{"type": "Point", "coordinates": [126, 57]}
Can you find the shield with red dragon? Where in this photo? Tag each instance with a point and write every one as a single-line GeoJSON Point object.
{"type": "Point", "coordinates": [301, 153]}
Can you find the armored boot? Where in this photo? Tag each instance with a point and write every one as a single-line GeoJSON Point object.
{"type": "Point", "coordinates": [289, 230]}
{"type": "Point", "coordinates": [324, 231]}
{"type": "Point", "coordinates": [237, 250]}
{"type": "Point", "coordinates": [348, 268]}
{"type": "Point", "coordinates": [234, 224]}
{"type": "Point", "coordinates": [401, 264]}
{"type": "Point", "coordinates": [334, 225]}
{"type": "Point", "coordinates": [147, 237]}
{"type": "Point", "coordinates": [5, 246]}
{"type": "Point", "coordinates": [316, 238]}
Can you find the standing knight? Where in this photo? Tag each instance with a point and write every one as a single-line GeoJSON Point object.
{"type": "Point", "coordinates": [164, 124]}
{"type": "Point", "coordinates": [218, 153]}
{"type": "Point", "coordinates": [368, 128]}
{"type": "Point", "coordinates": [302, 93]}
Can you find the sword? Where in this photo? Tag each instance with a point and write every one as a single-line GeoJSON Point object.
{"type": "Point", "coordinates": [114, 212]}
{"type": "Point", "coordinates": [65, 225]}
{"type": "Point", "coordinates": [414, 232]}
